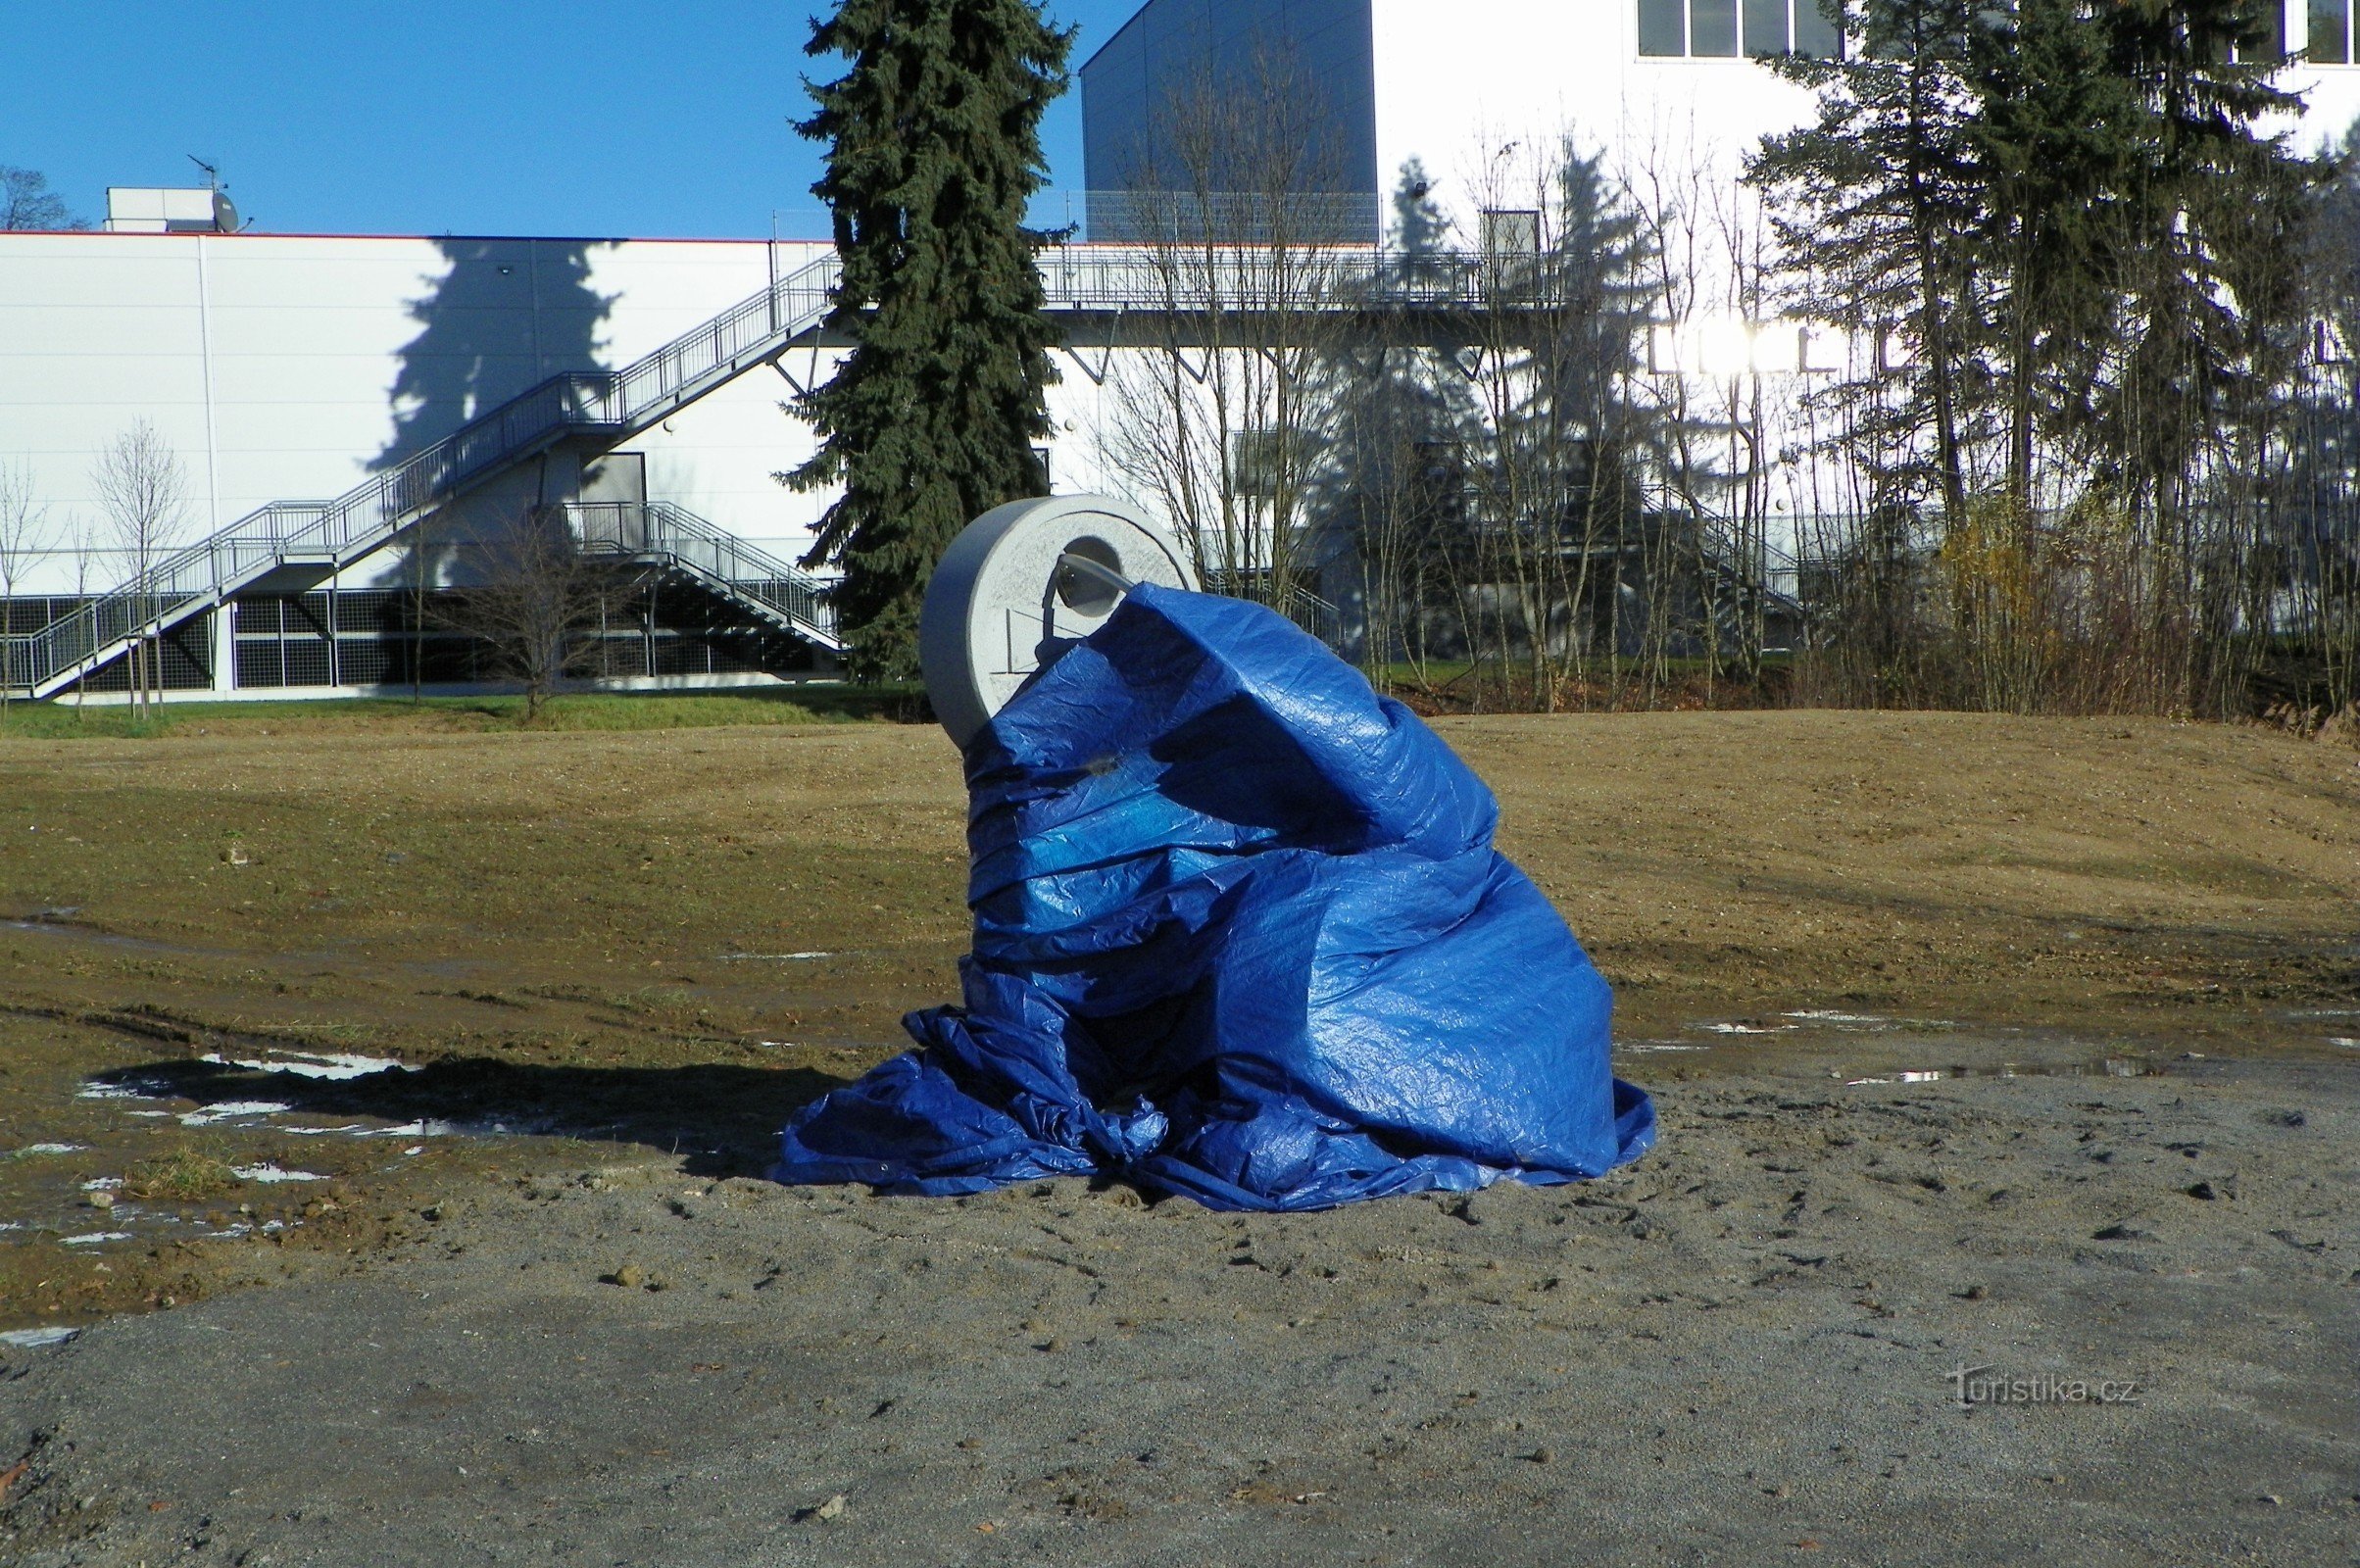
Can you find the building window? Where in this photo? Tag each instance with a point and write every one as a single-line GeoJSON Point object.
{"type": "Point", "coordinates": [1725, 28]}
{"type": "Point", "coordinates": [1712, 28]}
{"type": "Point", "coordinates": [1663, 26]}
{"type": "Point", "coordinates": [2270, 48]}
{"type": "Point", "coordinates": [2331, 33]}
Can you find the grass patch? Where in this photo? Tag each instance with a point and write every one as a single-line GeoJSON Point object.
{"type": "Point", "coordinates": [571, 713]}
{"type": "Point", "coordinates": [183, 1176]}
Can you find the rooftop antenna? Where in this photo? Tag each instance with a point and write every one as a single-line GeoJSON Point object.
{"type": "Point", "coordinates": [225, 211]}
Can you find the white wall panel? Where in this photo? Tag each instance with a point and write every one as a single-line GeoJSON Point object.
{"type": "Point", "coordinates": [324, 357]}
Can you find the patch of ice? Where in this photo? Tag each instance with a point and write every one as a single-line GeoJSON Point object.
{"type": "Point", "coordinates": [230, 1111]}
{"type": "Point", "coordinates": [113, 1092]}
{"type": "Point", "coordinates": [1825, 1015]}
{"type": "Point", "coordinates": [336, 1065]}
{"type": "Point", "coordinates": [1637, 1046]}
{"type": "Point", "coordinates": [352, 1127]}
{"type": "Point", "coordinates": [102, 1184]}
{"type": "Point", "coordinates": [412, 1129]}
{"type": "Point", "coordinates": [268, 1173]}
{"type": "Point", "coordinates": [157, 1113]}
{"type": "Point", "coordinates": [94, 1238]}
{"type": "Point", "coordinates": [51, 1149]}
{"type": "Point", "coordinates": [2345, 1041]}
{"type": "Point", "coordinates": [35, 1339]}
{"type": "Point", "coordinates": [772, 957]}
{"type": "Point", "coordinates": [1747, 1028]}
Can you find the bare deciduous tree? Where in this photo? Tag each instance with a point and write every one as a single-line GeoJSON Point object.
{"type": "Point", "coordinates": [27, 203]}
{"type": "Point", "coordinates": [26, 539]}
{"type": "Point", "coordinates": [143, 491]}
{"type": "Point", "coordinates": [1216, 422]}
{"type": "Point", "coordinates": [535, 593]}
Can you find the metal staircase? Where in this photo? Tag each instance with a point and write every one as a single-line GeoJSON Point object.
{"type": "Point", "coordinates": [608, 406]}
{"type": "Point", "coordinates": [660, 534]}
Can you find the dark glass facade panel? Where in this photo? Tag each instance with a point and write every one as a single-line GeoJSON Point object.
{"type": "Point", "coordinates": [1663, 26]}
{"type": "Point", "coordinates": [1712, 28]}
{"type": "Point", "coordinates": [2330, 32]}
{"type": "Point", "coordinates": [1765, 27]}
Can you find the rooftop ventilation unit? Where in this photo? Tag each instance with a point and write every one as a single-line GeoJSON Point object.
{"type": "Point", "coordinates": [154, 210]}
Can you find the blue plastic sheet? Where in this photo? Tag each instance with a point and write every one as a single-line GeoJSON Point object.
{"type": "Point", "coordinates": [1240, 933]}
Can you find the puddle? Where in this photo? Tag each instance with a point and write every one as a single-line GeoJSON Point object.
{"type": "Point", "coordinates": [1748, 1028]}
{"type": "Point", "coordinates": [35, 1339]}
{"type": "Point", "coordinates": [148, 1089]}
{"type": "Point", "coordinates": [94, 1238]}
{"type": "Point", "coordinates": [2347, 1041]}
{"type": "Point", "coordinates": [48, 1148]}
{"type": "Point", "coordinates": [232, 1110]}
{"type": "Point", "coordinates": [61, 923]}
{"type": "Point", "coordinates": [2123, 1066]}
{"type": "Point", "coordinates": [270, 1173]}
{"type": "Point", "coordinates": [774, 957]}
{"type": "Point", "coordinates": [335, 1066]}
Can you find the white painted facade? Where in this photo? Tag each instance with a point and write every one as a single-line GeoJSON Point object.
{"type": "Point", "coordinates": [1448, 93]}
{"type": "Point", "coordinates": [292, 367]}
{"type": "Point", "coordinates": [284, 367]}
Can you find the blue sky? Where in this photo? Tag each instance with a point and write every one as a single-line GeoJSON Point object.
{"type": "Point", "coordinates": [431, 117]}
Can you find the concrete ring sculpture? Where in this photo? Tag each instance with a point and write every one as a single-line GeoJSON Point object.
{"type": "Point", "coordinates": [1023, 581]}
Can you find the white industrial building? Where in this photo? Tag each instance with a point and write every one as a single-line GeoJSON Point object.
{"type": "Point", "coordinates": [1464, 87]}
{"type": "Point", "coordinates": [347, 409]}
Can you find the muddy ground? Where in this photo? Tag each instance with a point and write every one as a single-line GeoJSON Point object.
{"type": "Point", "coordinates": [617, 961]}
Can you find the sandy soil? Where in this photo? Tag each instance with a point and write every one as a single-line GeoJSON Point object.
{"type": "Point", "coordinates": [620, 959]}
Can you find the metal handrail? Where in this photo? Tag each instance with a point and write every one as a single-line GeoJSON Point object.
{"type": "Point", "coordinates": [686, 541]}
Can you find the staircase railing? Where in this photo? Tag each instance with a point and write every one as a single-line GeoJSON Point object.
{"type": "Point", "coordinates": [623, 399]}
{"type": "Point", "coordinates": [681, 538]}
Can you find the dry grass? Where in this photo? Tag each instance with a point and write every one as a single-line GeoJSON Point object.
{"type": "Point", "coordinates": [183, 1176]}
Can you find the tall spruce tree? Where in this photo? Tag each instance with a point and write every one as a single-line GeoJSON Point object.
{"type": "Point", "coordinates": [1876, 205]}
{"type": "Point", "coordinates": [934, 151]}
{"type": "Point", "coordinates": [2054, 135]}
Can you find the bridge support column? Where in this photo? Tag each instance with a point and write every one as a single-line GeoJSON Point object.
{"type": "Point", "coordinates": [225, 646]}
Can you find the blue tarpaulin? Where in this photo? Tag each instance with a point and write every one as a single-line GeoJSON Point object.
{"type": "Point", "coordinates": [1240, 933]}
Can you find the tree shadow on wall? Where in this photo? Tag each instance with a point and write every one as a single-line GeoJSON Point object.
{"type": "Point", "coordinates": [504, 316]}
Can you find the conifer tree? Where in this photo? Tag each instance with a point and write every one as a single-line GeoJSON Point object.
{"type": "Point", "coordinates": [932, 417]}
{"type": "Point", "coordinates": [1876, 204]}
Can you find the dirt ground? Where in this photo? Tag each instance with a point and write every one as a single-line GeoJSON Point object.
{"type": "Point", "coordinates": [1931, 1004]}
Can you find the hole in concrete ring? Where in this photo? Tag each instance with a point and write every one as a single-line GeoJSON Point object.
{"type": "Point", "coordinates": [1083, 592]}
